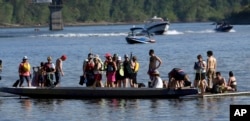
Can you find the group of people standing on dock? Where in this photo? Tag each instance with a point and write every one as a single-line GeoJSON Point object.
{"type": "Point", "coordinates": [43, 75]}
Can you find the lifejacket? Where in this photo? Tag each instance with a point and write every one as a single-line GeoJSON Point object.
{"type": "Point", "coordinates": [89, 66]}
{"type": "Point", "coordinates": [137, 66]}
{"type": "Point", "coordinates": [25, 67]}
{"type": "Point", "coordinates": [49, 67]}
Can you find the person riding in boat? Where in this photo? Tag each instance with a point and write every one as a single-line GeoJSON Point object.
{"type": "Point", "coordinates": [219, 84]}
{"type": "Point", "coordinates": [154, 63]}
{"type": "Point", "coordinates": [128, 70]}
{"type": "Point", "coordinates": [50, 70]}
{"type": "Point", "coordinates": [200, 74]}
{"type": "Point", "coordinates": [135, 67]}
{"type": "Point", "coordinates": [59, 69]}
{"type": "Point", "coordinates": [120, 73]}
{"type": "Point", "coordinates": [88, 70]}
{"type": "Point", "coordinates": [157, 81]}
{"type": "Point", "coordinates": [110, 71]}
{"type": "Point", "coordinates": [24, 71]}
{"type": "Point", "coordinates": [231, 85]}
{"type": "Point", "coordinates": [98, 71]}
{"type": "Point", "coordinates": [178, 79]}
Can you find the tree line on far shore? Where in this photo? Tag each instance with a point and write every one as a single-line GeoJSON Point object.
{"type": "Point", "coordinates": [24, 12]}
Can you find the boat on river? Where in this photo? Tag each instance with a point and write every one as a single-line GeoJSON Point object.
{"type": "Point", "coordinates": [156, 25]}
{"type": "Point", "coordinates": [139, 35]}
{"type": "Point", "coordinates": [223, 27]}
{"type": "Point", "coordinates": [97, 92]}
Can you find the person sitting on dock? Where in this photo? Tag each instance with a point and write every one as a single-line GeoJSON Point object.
{"type": "Point", "coordinates": [219, 84]}
{"type": "Point", "coordinates": [231, 85]}
{"type": "Point", "coordinates": [156, 80]}
{"type": "Point", "coordinates": [178, 79]}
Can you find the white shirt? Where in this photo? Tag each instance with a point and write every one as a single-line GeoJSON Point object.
{"type": "Point", "coordinates": [157, 82]}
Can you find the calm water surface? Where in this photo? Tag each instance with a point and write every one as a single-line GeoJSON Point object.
{"type": "Point", "coordinates": [178, 48]}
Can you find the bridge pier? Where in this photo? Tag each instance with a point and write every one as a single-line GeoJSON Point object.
{"type": "Point", "coordinates": [56, 20]}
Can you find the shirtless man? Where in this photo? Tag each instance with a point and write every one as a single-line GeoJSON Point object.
{"type": "Point", "coordinates": [59, 69]}
{"type": "Point", "coordinates": [154, 63]}
{"type": "Point", "coordinates": [211, 68]}
{"type": "Point", "coordinates": [219, 83]}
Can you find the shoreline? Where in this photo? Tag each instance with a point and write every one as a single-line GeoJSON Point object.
{"type": "Point", "coordinates": [6, 25]}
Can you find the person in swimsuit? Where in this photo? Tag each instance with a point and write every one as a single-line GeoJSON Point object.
{"type": "Point", "coordinates": [211, 68]}
{"type": "Point", "coordinates": [231, 85]}
{"type": "Point", "coordinates": [154, 63]}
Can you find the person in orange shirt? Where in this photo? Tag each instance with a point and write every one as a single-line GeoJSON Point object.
{"type": "Point", "coordinates": [24, 71]}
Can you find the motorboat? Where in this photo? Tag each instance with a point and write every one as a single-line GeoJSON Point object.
{"type": "Point", "coordinates": [139, 35]}
{"type": "Point", "coordinates": [156, 25]}
{"type": "Point", "coordinates": [223, 27]}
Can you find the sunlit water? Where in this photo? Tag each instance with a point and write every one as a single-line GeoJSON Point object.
{"type": "Point", "coordinates": [177, 48]}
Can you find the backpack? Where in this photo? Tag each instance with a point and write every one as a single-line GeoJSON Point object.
{"type": "Point", "coordinates": [137, 66]}
{"type": "Point", "coordinates": [196, 65]}
{"type": "Point", "coordinates": [110, 67]}
{"type": "Point", "coordinates": [121, 70]}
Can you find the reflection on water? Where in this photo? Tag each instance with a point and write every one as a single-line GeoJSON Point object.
{"type": "Point", "coordinates": [124, 109]}
{"type": "Point", "coordinates": [26, 104]}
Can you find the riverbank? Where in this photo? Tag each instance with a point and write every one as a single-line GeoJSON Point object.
{"type": "Point", "coordinates": [7, 25]}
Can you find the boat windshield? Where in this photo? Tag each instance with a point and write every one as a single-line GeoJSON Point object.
{"type": "Point", "coordinates": [154, 19]}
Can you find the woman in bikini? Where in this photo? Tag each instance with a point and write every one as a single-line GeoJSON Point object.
{"type": "Point", "coordinates": [231, 85]}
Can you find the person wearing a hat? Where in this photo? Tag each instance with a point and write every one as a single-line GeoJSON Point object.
{"type": "Point", "coordinates": [88, 70]}
{"type": "Point", "coordinates": [98, 68]}
{"type": "Point", "coordinates": [135, 67]}
{"type": "Point", "coordinates": [128, 70]}
{"type": "Point", "coordinates": [120, 73]}
{"type": "Point", "coordinates": [156, 80]}
{"type": "Point", "coordinates": [110, 71]}
{"type": "Point", "coordinates": [50, 70]}
{"type": "Point", "coordinates": [24, 72]}
{"type": "Point", "coordinates": [59, 69]}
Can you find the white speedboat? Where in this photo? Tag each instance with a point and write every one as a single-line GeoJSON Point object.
{"type": "Point", "coordinates": [139, 35]}
{"type": "Point", "coordinates": [156, 25]}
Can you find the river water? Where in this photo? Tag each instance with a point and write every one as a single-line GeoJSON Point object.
{"type": "Point", "coordinates": [177, 48]}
